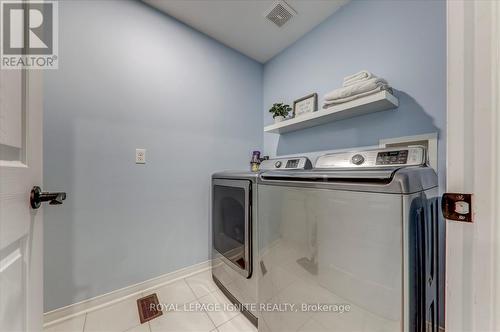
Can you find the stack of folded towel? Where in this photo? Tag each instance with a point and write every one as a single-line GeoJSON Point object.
{"type": "Point", "coordinates": [355, 86]}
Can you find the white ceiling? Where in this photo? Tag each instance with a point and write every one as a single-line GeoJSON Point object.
{"type": "Point", "coordinates": [242, 25]}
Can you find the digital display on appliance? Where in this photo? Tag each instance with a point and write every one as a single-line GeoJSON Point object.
{"type": "Point", "coordinates": [392, 157]}
{"type": "Point", "coordinates": [292, 163]}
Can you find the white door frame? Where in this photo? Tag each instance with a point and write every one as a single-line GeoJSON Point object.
{"type": "Point", "coordinates": [496, 101]}
{"type": "Point", "coordinates": [473, 164]}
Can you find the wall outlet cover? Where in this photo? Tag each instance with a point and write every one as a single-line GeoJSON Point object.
{"type": "Point", "coordinates": [140, 156]}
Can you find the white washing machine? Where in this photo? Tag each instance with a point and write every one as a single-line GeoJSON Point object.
{"type": "Point", "coordinates": [351, 245]}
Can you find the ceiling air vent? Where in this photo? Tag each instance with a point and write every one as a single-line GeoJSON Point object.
{"type": "Point", "coordinates": [280, 13]}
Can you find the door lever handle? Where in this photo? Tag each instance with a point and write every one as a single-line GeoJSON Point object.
{"type": "Point", "coordinates": [37, 197]}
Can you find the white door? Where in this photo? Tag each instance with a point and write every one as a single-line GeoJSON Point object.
{"type": "Point", "coordinates": [21, 228]}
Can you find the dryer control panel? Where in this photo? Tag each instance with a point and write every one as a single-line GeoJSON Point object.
{"type": "Point", "coordinates": [400, 156]}
{"type": "Point", "coordinates": [286, 163]}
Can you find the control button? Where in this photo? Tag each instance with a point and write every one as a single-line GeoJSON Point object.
{"type": "Point", "coordinates": [277, 164]}
{"type": "Point", "coordinates": [357, 159]}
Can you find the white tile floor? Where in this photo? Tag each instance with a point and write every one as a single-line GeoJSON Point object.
{"type": "Point", "coordinates": [196, 289]}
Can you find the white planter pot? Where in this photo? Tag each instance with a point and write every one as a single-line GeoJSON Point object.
{"type": "Point", "coordinates": [279, 119]}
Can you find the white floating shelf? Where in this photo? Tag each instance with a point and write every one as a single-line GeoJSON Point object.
{"type": "Point", "coordinates": [380, 101]}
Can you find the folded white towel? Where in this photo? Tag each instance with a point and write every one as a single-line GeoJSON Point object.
{"type": "Point", "coordinates": [358, 77]}
{"type": "Point", "coordinates": [331, 103]}
{"type": "Point", "coordinates": [355, 89]}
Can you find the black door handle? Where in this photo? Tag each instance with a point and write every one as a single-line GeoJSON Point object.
{"type": "Point", "coordinates": [37, 197]}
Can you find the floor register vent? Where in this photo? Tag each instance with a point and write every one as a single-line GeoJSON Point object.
{"type": "Point", "coordinates": [149, 308]}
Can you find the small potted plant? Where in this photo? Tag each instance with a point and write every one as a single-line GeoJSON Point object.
{"type": "Point", "coordinates": [280, 111]}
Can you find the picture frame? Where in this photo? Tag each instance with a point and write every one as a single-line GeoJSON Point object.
{"type": "Point", "coordinates": [305, 105]}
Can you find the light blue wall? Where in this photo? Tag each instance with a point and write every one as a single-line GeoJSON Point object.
{"type": "Point", "coordinates": [130, 78]}
{"type": "Point", "coordinates": [403, 41]}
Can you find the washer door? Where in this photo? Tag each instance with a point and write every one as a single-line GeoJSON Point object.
{"type": "Point", "coordinates": [231, 226]}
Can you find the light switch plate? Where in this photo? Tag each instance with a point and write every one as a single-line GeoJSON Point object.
{"type": "Point", "coordinates": [140, 156]}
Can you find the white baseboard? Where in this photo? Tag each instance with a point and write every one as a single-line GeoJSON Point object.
{"type": "Point", "coordinates": [80, 308]}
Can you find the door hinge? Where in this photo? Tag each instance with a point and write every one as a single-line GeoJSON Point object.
{"type": "Point", "coordinates": [457, 206]}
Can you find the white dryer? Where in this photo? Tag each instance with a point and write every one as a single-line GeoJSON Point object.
{"type": "Point", "coordinates": [234, 231]}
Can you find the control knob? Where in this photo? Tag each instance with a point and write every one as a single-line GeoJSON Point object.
{"type": "Point", "coordinates": [357, 159]}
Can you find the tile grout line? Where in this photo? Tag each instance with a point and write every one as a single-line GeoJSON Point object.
{"type": "Point", "coordinates": [139, 296]}
{"type": "Point", "coordinates": [198, 298]}
{"type": "Point", "coordinates": [310, 319]}
{"type": "Point", "coordinates": [143, 294]}
{"type": "Point", "coordinates": [84, 322]}
{"type": "Point", "coordinates": [228, 321]}
{"type": "Point", "coordinates": [209, 291]}
{"type": "Point", "coordinates": [224, 322]}
{"type": "Point", "coordinates": [236, 314]}
{"type": "Point", "coordinates": [210, 318]}
{"type": "Point", "coordinates": [192, 291]}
